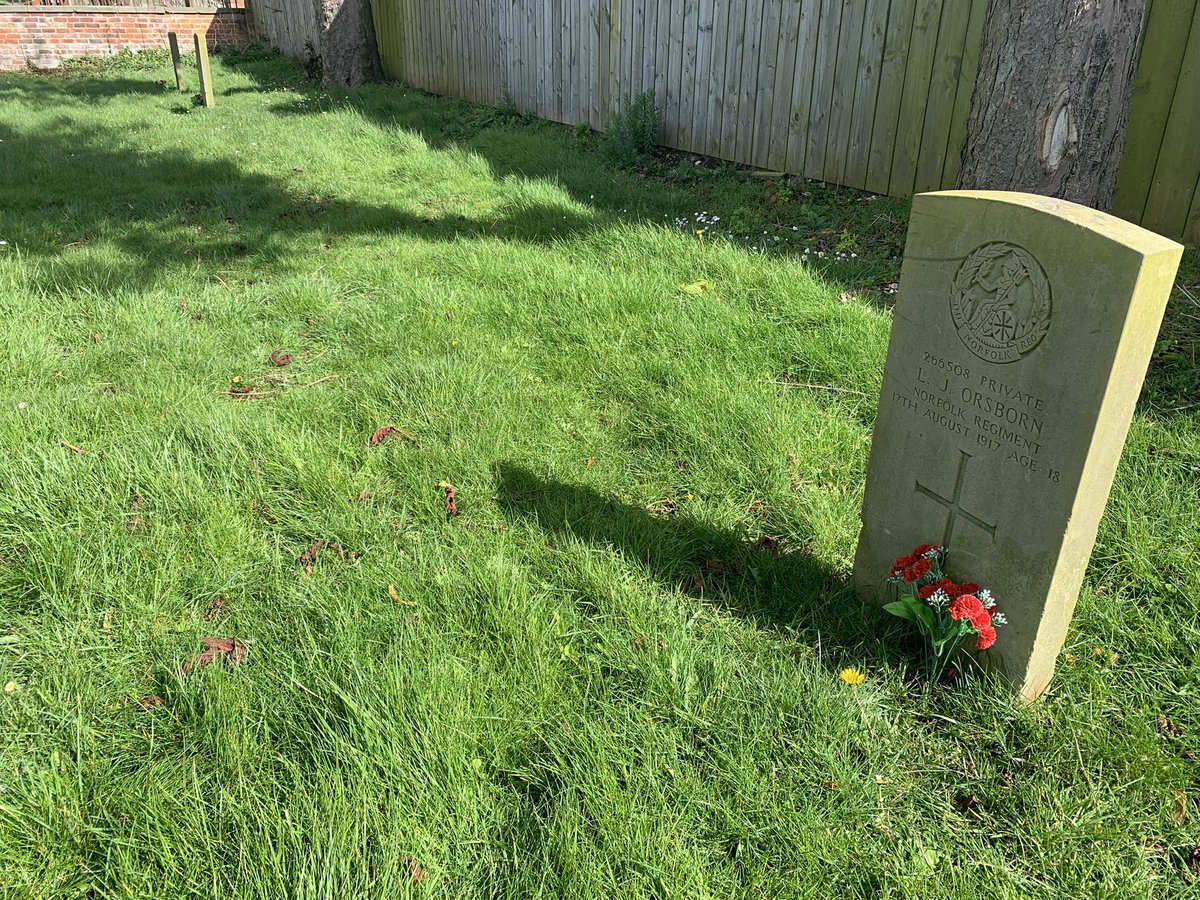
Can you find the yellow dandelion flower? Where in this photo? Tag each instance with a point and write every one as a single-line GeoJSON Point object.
{"type": "Point", "coordinates": [10, 687]}
{"type": "Point", "coordinates": [700, 232]}
{"type": "Point", "coordinates": [852, 676]}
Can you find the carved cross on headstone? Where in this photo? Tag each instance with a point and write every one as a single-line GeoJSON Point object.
{"type": "Point", "coordinates": [952, 503]}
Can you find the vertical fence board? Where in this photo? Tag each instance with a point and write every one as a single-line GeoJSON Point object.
{"type": "Point", "coordinates": [591, 65]}
{"type": "Point", "coordinates": [1160, 62]}
{"type": "Point", "coordinates": [866, 92]}
{"type": "Point", "coordinates": [822, 96]}
{"type": "Point", "coordinates": [627, 76]}
{"type": "Point", "coordinates": [715, 105]}
{"type": "Point", "coordinates": [446, 50]}
{"type": "Point", "coordinates": [575, 59]}
{"type": "Point", "coordinates": [531, 55]}
{"type": "Point", "coordinates": [614, 80]}
{"type": "Point", "coordinates": [638, 19]}
{"type": "Point", "coordinates": [673, 64]}
{"type": "Point", "coordinates": [659, 54]}
{"type": "Point", "coordinates": [748, 81]}
{"type": "Point", "coordinates": [1191, 231]}
{"type": "Point", "coordinates": [532, 60]}
{"type": "Point", "coordinates": [590, 41]}
{"type": "Point", "coordinates": [458, 51]}
{"type": "Point", "coordinates": [635, 39]}
{"type": "Point", "coordinates": [730, 96]}
{"type": "Point", "coordinates": [421, 37]}
{"type": "Point", "coordinates": [1177, 170]}
{"type": "Point", "coordinates": [702, 83]}
{"type": "Point", "coordinates": [433, 35]}
{"type": "Point", "coordinates": [764, 95]}
{"type": "Point", "coordinates": [541, 59]}
{"type": "Point", "coordinates": [785, 73]}
{"type": "Point", "coordinates": [561, 58]}
{"type": "Point", "coordinates": [396, 64]}
{"type": "Point", "coordinates": [802, 84]}
{"type": "Point", "coordinates": [553, 59]}
{"type": "Point", "coordinates": [962, 94]}
{"type": "Point", "coordinates": [845, 79]}
{"type": "Point", "coordinates": [915, 95]}
{"type": "Point", "coordinates": [939, 102]}
{"type": "Point", "coordinates": [687, 72]}
{"type": "Point", "coordinates": [891, 91]}
{"type": "Point", "coordinates": [649, 40]}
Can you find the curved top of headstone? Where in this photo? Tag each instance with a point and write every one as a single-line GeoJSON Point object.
{"type": "Point", "coordinates": [1101, 223]}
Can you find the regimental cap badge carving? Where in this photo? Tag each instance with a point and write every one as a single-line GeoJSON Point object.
{"type": "Point", "coordinates": [1000, 302]}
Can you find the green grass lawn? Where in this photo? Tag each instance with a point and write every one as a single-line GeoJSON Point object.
{"type": "Point", "coordinates": [599, 680]}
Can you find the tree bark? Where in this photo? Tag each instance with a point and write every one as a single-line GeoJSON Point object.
{"type": "Point", "coordinates": [349, 55]}
{"type": "Point", "coordinates": [1051, 101]}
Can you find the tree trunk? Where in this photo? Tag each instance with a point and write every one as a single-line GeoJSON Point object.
{"type": "Point", "coordinates": [349, 55]}
{"type": "Point", "coordinates": [1051, 101]}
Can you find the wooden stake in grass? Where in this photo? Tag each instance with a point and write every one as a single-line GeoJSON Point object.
{"type": "Point", "coordinates": [203, 69]}
{"type": "Point", "coordinates": [176, 61]}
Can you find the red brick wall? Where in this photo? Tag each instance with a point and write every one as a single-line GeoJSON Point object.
{"type": "Point", "coordinates": [46, 35]}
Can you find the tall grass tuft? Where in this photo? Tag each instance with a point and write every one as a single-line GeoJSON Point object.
{"type": "Point", "coordinates": [632, 134]}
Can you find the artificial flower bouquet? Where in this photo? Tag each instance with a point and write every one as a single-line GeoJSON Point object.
{"type": "Point", "coordinates": [946, 613]}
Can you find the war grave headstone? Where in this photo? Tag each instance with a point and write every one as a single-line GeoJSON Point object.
{"type": "Point", "coordinates": [1022, 334]}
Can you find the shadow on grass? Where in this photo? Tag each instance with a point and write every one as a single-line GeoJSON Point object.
{"type": "Point", "coordinates": [170, 211]}
{"type": "Point", "coordinates": [68, 184]}
{"type": "Point", "coordinates": [52, 87]}
{"type": "Point", "coordinates": [532, 148]}
{"type": "Point", "coordinates": [764, 583]}
{"type": "Point", "coordinates": [105, 165]}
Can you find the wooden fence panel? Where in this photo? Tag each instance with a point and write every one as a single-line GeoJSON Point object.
{"type": "Point", "coordinates": [764, 95]}
{"type": "Point", "coordinates": [943, 89]}
{"type": "Point", "coordinates": [869, 93]}
{"type": "Point", "coordinates": [290, 25]}
{"type": "Point", "coordinates": [1159, 182]}
{"type": "Point", "coordinates": [845, 80]}
{"type": "Point", "coordinates": [729, 122]}
{"type": "Point", "coordinates": [915, 96]}
{"type": "Point", "coordinates": [962, 99]}
{"type": "Point", "coordinates": [802, 84]}
{"type": "Point", "coordinates": [866, 92]}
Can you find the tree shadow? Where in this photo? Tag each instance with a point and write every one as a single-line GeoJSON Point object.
{"type": "Point", "coordinates": [760, 580]}
{"type": "Point", "coordinates": [69, 186]}
{"type": "Point", "coordinates": [159, 191]}
{"type": "Point", "coordinates": [524, 146]}
{"type": "Point", "coordinates": [53, 87]}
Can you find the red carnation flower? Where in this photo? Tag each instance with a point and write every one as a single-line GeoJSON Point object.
{"type": "Point", "coordinates": [952, 590]}
{"type": "Point", "coordinates": [926, 591]}
{"type": "Point", "coordinates": [987, 637]}
{"type": "Point", "coordinates": [923, 549]}
{"type": "Point", "coordinates": [982, 620]}
{"type": "Point", "coordinates": [917, 570]}
{"type": "Point", "coordinates": [970, 588]}
{"type": "Point", "coordinates": [965, 607]}
{"type": "Point", "coordinates": [902, 563]}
